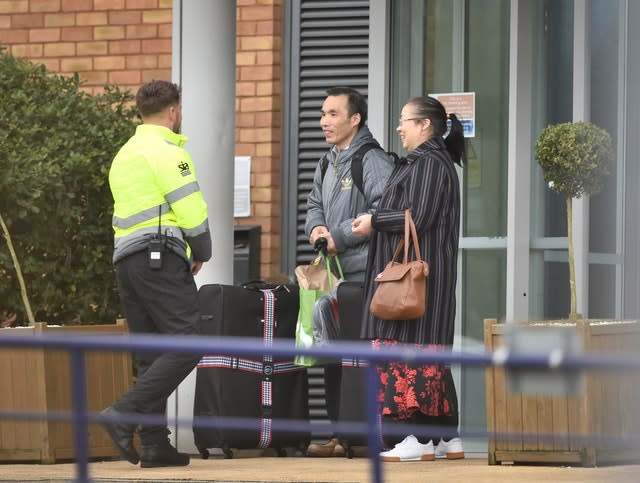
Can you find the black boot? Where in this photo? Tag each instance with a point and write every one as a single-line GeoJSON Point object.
{"type": "Point", "coordinates": [159, 455]}
{"type": "Point", "coordinates": [121, 434]}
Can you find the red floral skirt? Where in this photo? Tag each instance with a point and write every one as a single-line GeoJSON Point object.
{"type": "Point", "coordinates": [408, 388]}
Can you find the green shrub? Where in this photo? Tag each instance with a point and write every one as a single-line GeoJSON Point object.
{"type": "Point", "coordinates": [56, 147]}
{"type": "Point", "coordinates": [574, 157]}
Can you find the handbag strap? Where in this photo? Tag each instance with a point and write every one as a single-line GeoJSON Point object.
{"type": "Point", "coordinates": [409, 227]}
{"type": "Point", "coordinates": [414, 238]}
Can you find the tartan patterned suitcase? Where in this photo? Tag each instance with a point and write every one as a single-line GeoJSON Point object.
{"type": "Point", "coordinates": [258, 387]}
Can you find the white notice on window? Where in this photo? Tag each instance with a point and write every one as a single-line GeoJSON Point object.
{"type": "Point", "coordinates": [242, 187]}
{"type": "Point", "coordinates": [463, 105]}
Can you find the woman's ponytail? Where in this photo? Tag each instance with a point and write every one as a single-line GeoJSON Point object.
{"type": "Point", "coordinates": [455, 141]}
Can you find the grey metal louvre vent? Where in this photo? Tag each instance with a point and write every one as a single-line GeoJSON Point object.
{"type": "Point", "coordinates": [326, 45]}
{"type": "Point", "coordinates": [332, 49]}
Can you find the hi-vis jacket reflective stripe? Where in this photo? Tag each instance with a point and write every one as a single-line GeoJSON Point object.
{"type": "Point", "coordinates": [152, 178]}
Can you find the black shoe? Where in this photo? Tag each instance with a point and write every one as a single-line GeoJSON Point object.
{"type": "Point", "coordinates": [156, 456]}
{"type": "Point", "coordinates": [121, 435]}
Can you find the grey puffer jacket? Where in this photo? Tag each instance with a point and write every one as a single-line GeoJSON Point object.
{"type": "Point", "coordinates": [335, 201]}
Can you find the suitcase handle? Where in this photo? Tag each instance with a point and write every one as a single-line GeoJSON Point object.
{"type": "Point", "coordinates": [255, 285]}
{"type": "Point", "coordinates": [253, 282]}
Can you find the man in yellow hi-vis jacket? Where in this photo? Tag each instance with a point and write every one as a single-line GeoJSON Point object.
{"type": "Point", "coordinates": [161, 239]}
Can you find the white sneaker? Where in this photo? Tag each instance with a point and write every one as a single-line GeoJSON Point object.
{"type": "Point", "coordinates": [410, 449]}
{"type": "Point", "coordinates": [452, 449]}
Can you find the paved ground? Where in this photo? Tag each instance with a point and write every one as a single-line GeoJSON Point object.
{"type": "Point", "coordinates": [273, 469]}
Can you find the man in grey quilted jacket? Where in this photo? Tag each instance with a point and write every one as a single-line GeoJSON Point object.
{"type": "Point", "coordinates": [333, 203]}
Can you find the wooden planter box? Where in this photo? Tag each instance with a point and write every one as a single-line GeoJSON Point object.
{"type": "Point", "coordinates": [39, 380]}
{"type": "Point", "coordinates": [587, 428]}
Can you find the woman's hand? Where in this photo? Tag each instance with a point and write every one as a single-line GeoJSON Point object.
{"type": "Point", "coordinates": [362, 225]}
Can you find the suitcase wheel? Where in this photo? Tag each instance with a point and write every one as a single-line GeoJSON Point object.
{"type": "Point", "coordinates": [281, 452]}
{"type": "Point", "coordinates": [228, 454]}
{"type": "Point", "coordinates": [301, 449]}
{"type": "Point", "coordinates": [204, 453]}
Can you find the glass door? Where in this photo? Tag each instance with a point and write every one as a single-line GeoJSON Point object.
{"type": "Point", "coordinates": [608, 49]}
{"type": "Point", "coordinates": [441, 46]}
{"type": "Point", "coordinates": [552, 101]}
{"type": "Point", "coordinates": [553, 95]}
{"type": "Point", "coordinates": [484, 217]}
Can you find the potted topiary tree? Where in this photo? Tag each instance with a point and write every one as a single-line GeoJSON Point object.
{"type": "Point", "coordinates": [574, 157]}
{"type": "Point", "coordinates": [584, 428]}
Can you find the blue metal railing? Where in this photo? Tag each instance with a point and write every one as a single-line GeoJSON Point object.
{"type": "Point", "coordinates": [78, 345]}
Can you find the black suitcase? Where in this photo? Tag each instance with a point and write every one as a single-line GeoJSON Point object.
{"type": "Point", "coordinates": [258, 387]}
{"type": "Point", "coordinates": [353, 385]}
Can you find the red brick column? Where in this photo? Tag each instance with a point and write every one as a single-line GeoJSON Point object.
{"type": "Point", "coordinates": [258, 90]}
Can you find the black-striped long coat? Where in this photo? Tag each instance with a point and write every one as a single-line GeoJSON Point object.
{"type": "Point", "coordinates": [427, 183]}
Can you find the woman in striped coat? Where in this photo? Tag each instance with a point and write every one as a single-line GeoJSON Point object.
{"type": "Point", "coordinates": [426, 182]}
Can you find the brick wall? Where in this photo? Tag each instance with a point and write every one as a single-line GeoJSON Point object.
{"type": "Point", "coordinates": [124, 42]}
{"type": "Point", "coordinates": [128, 42]}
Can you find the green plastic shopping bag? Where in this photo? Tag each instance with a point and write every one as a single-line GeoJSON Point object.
{"type": "Point", "coordinates": [314, 280]}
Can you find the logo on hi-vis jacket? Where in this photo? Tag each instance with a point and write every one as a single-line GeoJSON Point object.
{"type": "Point", "coordinates": [184, 169]}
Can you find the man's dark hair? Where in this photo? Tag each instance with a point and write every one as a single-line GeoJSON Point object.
{"type": "Point", "coordinates": [155, 96]}
{"type": "Point", "coordinates": [356, 102]}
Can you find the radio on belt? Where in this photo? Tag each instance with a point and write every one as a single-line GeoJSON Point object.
{"type": "Point", "coordinates": [156, 246]}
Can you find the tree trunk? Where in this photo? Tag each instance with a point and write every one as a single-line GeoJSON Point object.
{"type": "Point", "coordinates": [572, 269]}
{"type": "Point", "coordinates": [16, 264]}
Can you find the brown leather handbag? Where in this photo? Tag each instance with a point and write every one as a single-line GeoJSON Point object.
{"type": "Point", "coordinates": [401, 288]}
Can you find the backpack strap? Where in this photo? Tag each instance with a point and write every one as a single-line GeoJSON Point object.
{"type": "Point", "coordinates": [324, 164]}
{"type": "Point", "coordinates": [356, 164]}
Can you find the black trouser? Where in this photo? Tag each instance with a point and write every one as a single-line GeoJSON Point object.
{"type": "Point", "coordinates": [160, 301]}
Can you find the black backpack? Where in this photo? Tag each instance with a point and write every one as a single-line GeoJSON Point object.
{"type": "Point", "coordinates": [356, 163]}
